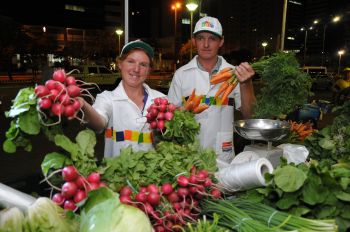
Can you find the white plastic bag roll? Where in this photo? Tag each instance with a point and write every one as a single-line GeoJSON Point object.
{"type": "Point", "coordinates": [244, 176]}
{"type": "Point", "coordinates": [10, 197]}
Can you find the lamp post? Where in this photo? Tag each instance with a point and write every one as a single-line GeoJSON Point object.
{"type": "Point", "coordinates": [175, 7]}
{"type": "Point", "coordinates": [264, 44]}
{"type": "Point", "coordinates": [119, 33]}
{"type": "Point", "coordinates": [334, 20]}
{"type": "Point", "coordinates": [191, 7]}
{"type": "Point", "coordinates": [340, 53]}
{"type": "Point", "coordinates": [305, 40]}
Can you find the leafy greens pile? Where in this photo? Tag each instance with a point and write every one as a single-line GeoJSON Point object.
{"type": "Point", "coordinates": [157, 166]}
{"type": "Point", "coordinates": [285, 86]}
{"type": "Point", "coordinates": [25, 122]}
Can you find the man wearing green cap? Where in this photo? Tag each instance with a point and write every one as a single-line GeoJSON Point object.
{"type": "Point", "coordinates": [121, 113]}
{"type": "Point", "coordinates": [217, 121]}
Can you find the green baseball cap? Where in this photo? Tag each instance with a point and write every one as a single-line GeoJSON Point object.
{"type": "Point", "coordinates": [140, 45]}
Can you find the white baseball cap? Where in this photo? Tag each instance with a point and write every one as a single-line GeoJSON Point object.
{"type": "Point", "coordinates": [208, 24]}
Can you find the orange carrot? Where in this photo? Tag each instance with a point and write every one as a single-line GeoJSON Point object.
{"type": "Point", "coordinates": [221, 77]}
{"type": "Point", "coordinates": [197, 100]}
{"type": "Point", "coordinates": [189, 105]}
{"type": "Point", "coordinates": [200, 108]}
{"type": "Point", "coordinates": [193, 94]}
{"type": "Point", "coordinates": [229, 89]}
{"type": "Point", "coordinates": [222, 88]}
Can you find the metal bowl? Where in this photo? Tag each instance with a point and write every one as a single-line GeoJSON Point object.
{"type": "Point", "coordinates": [262, 129]}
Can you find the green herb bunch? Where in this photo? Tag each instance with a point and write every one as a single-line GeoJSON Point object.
{"type": "Point", "coordinates": [285, 86]}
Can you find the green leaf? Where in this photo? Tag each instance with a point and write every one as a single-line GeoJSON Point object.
{"type": "Point", "coordinates": [86, 141]}
{"type": "Point", "coordinates": [29, 122]}
{"type": "Point", "coordinates": [54, 160]}
{"type": "Point", "coordinates": [327, 144]}
{"type": "Point", "coordinates": [9, 146]}
{"type": "Point", "coordinates": [64, 142]}
{"type": "Point", "coordinates": [289, 178]}
{"type": "Point", "coordinates": [314, 192]}
{"type": "Point", "coordinates": [287, 201]}
{"type": "Point", "coordinates": [344, 196]}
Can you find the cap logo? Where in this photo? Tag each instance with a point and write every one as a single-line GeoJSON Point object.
{"type": "Point", "coordinates": [207, 24]}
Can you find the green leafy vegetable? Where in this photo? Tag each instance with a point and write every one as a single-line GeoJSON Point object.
{"type": "Point", "coordinates": [285, 86]}
{"type": "Point", "coordinates": [11, 219]}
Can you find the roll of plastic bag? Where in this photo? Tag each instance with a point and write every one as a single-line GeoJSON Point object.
{"type": "Point", "coordinates": [245, 156]}
{"type": "Point", "coordinates": [10, 197]}
{"type": "Point", "coordinates": [244, 176]}
{"type": "Point", "coordinates": [294, 153]}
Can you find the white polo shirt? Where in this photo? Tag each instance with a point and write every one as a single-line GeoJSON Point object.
{"type": "Point", "coordinates": [126, 123]}
{"type": "Point", "coordinates": [217, 121]}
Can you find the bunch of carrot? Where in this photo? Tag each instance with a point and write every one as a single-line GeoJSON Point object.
{"type": "Point", "coordinates": [302, 130]}
{"type": "Point", "coordinates": [229, 81]}
{"type": "Point", "coordinates": [193, 103]}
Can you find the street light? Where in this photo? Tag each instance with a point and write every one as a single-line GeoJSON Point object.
{"type": "Point", "coordinates": [175, 7]}
{"type": "Point", "coordinates": [119, 33]}
{"type": "Point", "coordinates": [340, 53]}
{"type": "Point", "coordinates": [334, 20]}
{"type": "Point", "coordinates": [305, 40]}
{"type": "Point", "coordinates": [264, 44]}
{"type": "Point", "coordinates": [191, 7]}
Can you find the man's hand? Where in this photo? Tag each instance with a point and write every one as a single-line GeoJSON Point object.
{"type": "Point", "coordinates": [244, 72]}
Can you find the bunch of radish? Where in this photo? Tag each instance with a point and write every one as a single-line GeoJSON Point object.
{"type": "Point", "coordinates": [159, 112]}
{"type": "Point", "coordinates": [171, 206]}
{"type": "Point", "coordinates": [59, 95]}
{"type": "Point", "coordinates": [75, 187]}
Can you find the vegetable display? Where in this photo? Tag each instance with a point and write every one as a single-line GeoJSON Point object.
{"type": "Point", "coordinates": [228, 82]}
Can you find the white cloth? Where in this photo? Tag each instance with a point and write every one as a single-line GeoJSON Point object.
{"type": "Point", "coordinates": [217, 121]}
{"type": "Point", "coordinates": [122, 114]}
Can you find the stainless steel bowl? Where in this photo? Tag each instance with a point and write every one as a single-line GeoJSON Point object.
{"type": "Point", "coordinates": [262, 129]}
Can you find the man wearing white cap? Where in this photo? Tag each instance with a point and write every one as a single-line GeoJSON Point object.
{"type": "Point", "coordinates": [217, 121]}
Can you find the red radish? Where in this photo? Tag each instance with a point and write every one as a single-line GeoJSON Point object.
{"type": "Point", "coordinates": [58, 198]}
{"type": "Point", "coordinates": [159, 229]}
{"type": "Point", "coordinates": [153, 125]}
{"type": "Point", "coordinates": [79, 196]}
{"type": "Point", "coordinates": [216, 193]}
{"type": "Point", "coordinates": [141, 197]}
{"type": "Point", "coordinates": [69, 205]}
{"type": "Point", "coordinates": [76, 104]}
{"type": "Point", "coordinates": [41, 91]}
{"type": "Point", "coordinates": [171, 107]}
{"type": "Point", "coordinates": [69, 189]}
{"type": "Point", "coordinates": [69, 173]}
{"type": "Point", "coordinates": [45, 103]}
{"type": "Point", "coordinates": [153, 113]}
{"type": "Point", "coordinates": [125, 199]}
{"type": "Point", "coordinates": [70, 80]}
{"type": "Point", "coordinates": [164, 101]}
{"type": "Point", "coordinates": [60, 87]}
{"type": "Point", "coordinates": [54, 94]}
{"type": "Point", "coordinates": [73, 91]}
{"type": "Point", "coordinates": [59, 75]}
{"type": "Point", "coordinates": [182, 181]}
{"type": "Point", "coordinates": [152, 188]}
{"type": "Point", "coordinates": [160, 116]}
{"type": "Point", "coordinates": [50, 84]}
{"type": "Point", "coordinates": [192, 179]}
{"type": "Point", "coordinates": [143, 190]}
{"type": "Point", "coordinates": [92, 186]}
{"type": "Point", "coordinates": [207, 183]}
{"type": "Point", "coordinates": [157, 101]}
{"type": "Point", "coordinates": [94, 177]}
{"type": "Point", "coordinates": [162, 108]}
{"type": "Point", "coordinates": [69, 111]}
{"type": "Point", "coordinates": [161, 125]}
{"type": "Point", "coordinates": [182, 192]}
{"type": "Point", "coordinates": [167, 188]}
{"type": "Point", "coordinates": [153, 198]}
{"type": "Point", "coordinates": [193, 189]}
{"type": "Point", "coordinates": [102, 185]}
{"type": "Point", "coordinates": [81, 182]}
{"type": "Point", "coordinates": [64, 99]}
{"type": "Point", "coordinates": [125, 191]}
{"type": "Point", "coordinates": [57, 109]}
{"type": "Point", "coordinates": [173, 197]}
{"type": "Point", "coordinates": [168, 116]}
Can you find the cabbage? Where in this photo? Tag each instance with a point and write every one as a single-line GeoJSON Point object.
{"type": "Point", "coordinates": [102, 212]}
{"type": "Point", "coordinates": [11, 219]}
{"type": "Point", "coordinates": [45, 216]}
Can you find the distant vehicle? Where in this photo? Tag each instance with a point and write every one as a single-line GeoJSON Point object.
{"type": "Point", "coordinates": [321, 80]}
{"type": "Point", "coordinates": [98, 74]}
{"type": "Point", "coordinates": [160, 81]}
